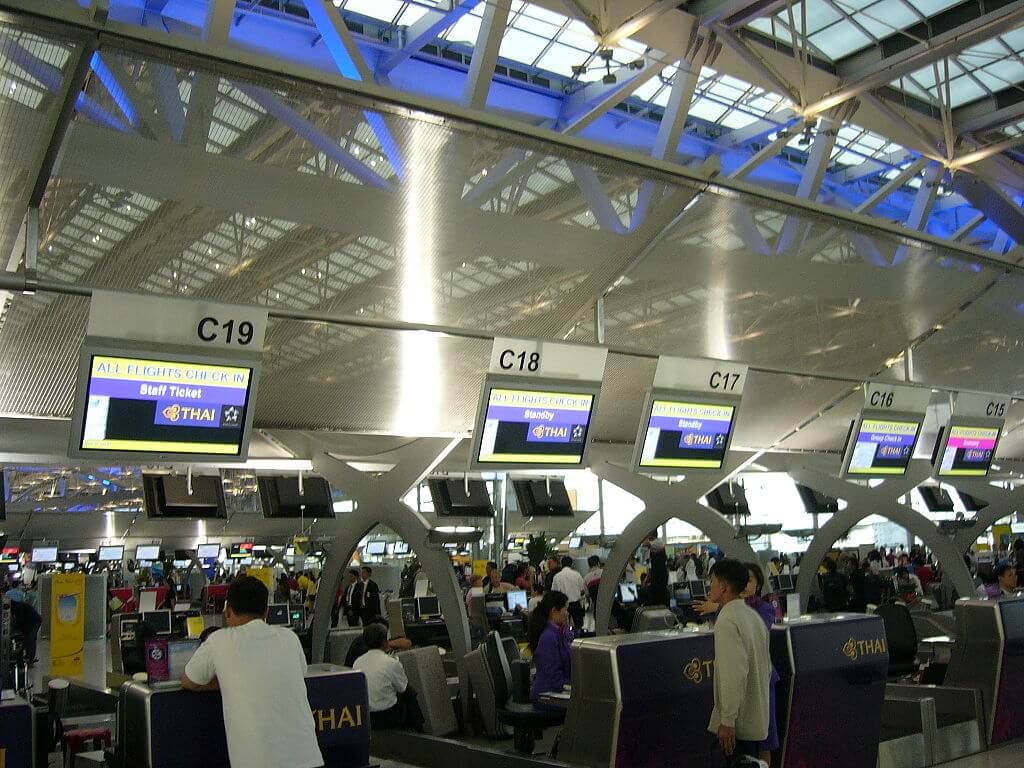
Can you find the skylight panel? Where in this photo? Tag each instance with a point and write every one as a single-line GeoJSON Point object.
{"type": "Point", "coordinates": [385, 10]}
{"type": "Point", "coordinates": [886, 18]}
{"type": "Point", "coordinates": [578, 35]}
{"type": "Point", "coordinates": [819, 15]}
{"type": "Point", "coordinates": [543, 14]}
{"type": "Point", "coordinates": [707, 109]}
{"type": "Point", "coordinates": [647, 91]}
{"type": "Point", "coordinates": [521, 46]}
{"type": "Point", "coordinates": [1009, 71]}
{"type": "Point", "coordinates": [963, 90]}
{"type": "Point", "coordinates": [840, 39]}
{"type": "Point", "coordinates": [536, 26]}
{"type": "Point", "coordinates": [560, 59]}
{"type": "Point", "coordinates": [737, 119]}
{"type": "Point", "coordinates": [465, 30]}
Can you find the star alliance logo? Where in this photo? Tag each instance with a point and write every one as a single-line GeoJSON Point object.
{"type": "Point", "coordinates": [231, 415]}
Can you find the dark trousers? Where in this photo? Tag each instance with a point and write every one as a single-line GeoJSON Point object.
{"type": "Point", "coordinates": [576, 614]}
{"type": "Point", "coordinates": [406, 714]}
{"type": "Point", "coordinates": [743, 749]}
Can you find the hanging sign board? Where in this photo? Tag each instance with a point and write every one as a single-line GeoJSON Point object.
{"type": "Point", "coordinates": [165, 320]}
{"type": "Point", "coordinates": [534, 358]}
{"type": "Point", "coordinates": [689, 415]}
{"type": "Point", "coordinates": [711, 376]}
{"type": "Point", "coordinates": [981, 405]}
{"type": "Point", "coordinates": [967, 444]}
{"type": "Point", "coordinates": [881, 441]}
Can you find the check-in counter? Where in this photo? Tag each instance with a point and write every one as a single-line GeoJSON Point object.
{"type": "Point", "coordinates": [924, 725]}
{"type": "Point", "coordinates": [17, 733]}
{"type": "Point", "coordinates": [175, 728]}
{"type": "Point", "coordinates": [640, 701]}
{"type": "Point", "coordinates": [989, 656]}
{"type": "Point", "coordinates": [832, 686]}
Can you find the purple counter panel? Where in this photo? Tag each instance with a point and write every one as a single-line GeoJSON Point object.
{"type": "Point", "coordinates": [667, 698]}
{"type": "Point", "coordinates": [831, 691]}
{"type": "Point", "coordinates": [1008, 714]}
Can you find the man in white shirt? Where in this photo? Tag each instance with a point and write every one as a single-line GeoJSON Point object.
{"type": "Point", "coordinates": [742, 665]}
{"type": "Point", "coordinates": [569, 582]}
{"type": "Point", "coordinates": [260, 671]}
{"type": "Point", "coordinates": [392, 701]}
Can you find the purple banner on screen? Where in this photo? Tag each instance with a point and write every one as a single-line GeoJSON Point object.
{"type": "Point", "coordinates": [143, 390]}
{"type": "Point", "coordinates": [548, 416]}
{"type": "Point", "coordinates": [556, 433]}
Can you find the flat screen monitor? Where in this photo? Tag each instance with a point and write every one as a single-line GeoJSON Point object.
{"type": "Point", "coordinates": [729, 499]}
{"type": "Point", "coordinates": [882, 445]}
{"type": "Point", "coordinates": [280, 497]}
{"type": "Point", "coordinates": [168, 496]}
{"type": "Point", "coordinates": [684, 433]}
{"type": "Point", "coordinates": [815, 502]}
{"type": "Point", "coordinates": [208, 551]}
{"type": "Point", "coordinates": [9, 555]}
{"type": "Point", "coordinates": [936, 498]}
{"type": "Point", "coordinates": [241, 551]}
{"type": "Point", "coordinates": [179, 653]}
{"type": "Point", "coordinates": [773, 584]}
{"type": "Point", "coordinates": [542, 498]}
{"type": "Point", "coordinates": [427, 607]}
{"type": "Point", "coordinates": [376, 547]}
{"type": "Point", "coordinates": [45, 554]}
{"type": "Point", "coordinates": [298, 616]}
{"type": "Point", "coordinates": [575, 542]}
{"type": "Point", "coordinates": [111, 554]}
{"type": "Point", "coordinates": [402, 548]}
{"type": "Point", "coordinates": [786, 583]}
{"type": "Point", "coordinates": [524, 425]}
{"type": "Point", "coordinates": [147, 552]}
{"type": "Point", "coordinates": [698, 591]}
{"type": "Point", "coordinates": [162, 404]}
{"type": "Point", "coordinates": [966, 450]}
{"type": "Point", "coordinates": [278, 614]}
{"type": "Point", "coordinates": [160, 621]}
{"type": "Point", "coordinates": [627, 592]}
{"type": "Point", "coordinates": [515, 599]}
{"type": "Point", "coordinates": [451, 498]}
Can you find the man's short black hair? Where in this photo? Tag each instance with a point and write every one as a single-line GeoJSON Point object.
{"type": "Point", "coordinates": [368, 569]}
{"type": "Point", "coordinates": [593, 561]}
{"type": "Point", "coordinates": [248, 596]}
{"type": "Point", "coordinates": [375, 635]}
{"type": "Point", "coordinates": [732, 572]}
{"type": "Point", "coordinates": [353, 572]}
{"type": "Point", "coordinates": [567, 562]}
{"type": "Point", "coordinates": [1000, 569]}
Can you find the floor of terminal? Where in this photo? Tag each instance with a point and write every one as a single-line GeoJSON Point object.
{"type": "Point", "coordinates": [96, 664]}
{"type": "Point", "coordinates": [997, 758]}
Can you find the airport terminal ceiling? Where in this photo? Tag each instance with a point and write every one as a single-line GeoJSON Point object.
{"type": "Point", "coordinates": [184, 175]}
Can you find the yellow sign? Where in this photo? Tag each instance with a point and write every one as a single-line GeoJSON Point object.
{"type": "Point", "coordinates": [266, 575]}
{"type": "Point", "coordinates": [480, 568]}
{"type": "Point", "coordinates": [67, 624]}
{"type": "Point", "coordinates": [195, 627]}
{"type": "Point", "coordinates": [858, 649]}
{"type": "Point", "coordinates": [1002, 536]}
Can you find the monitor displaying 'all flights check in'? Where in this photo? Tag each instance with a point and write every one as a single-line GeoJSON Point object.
{"type": "Point", "coordinates": [687, 435]}
{"type": "Point", "coordinates": [139, 405]}
{"type": "Point", "coordinates": [535, 427]}
{"type": "Point", "coordinates": [883, 446]}
{"type": "Point", "coordinates": [968, 450]}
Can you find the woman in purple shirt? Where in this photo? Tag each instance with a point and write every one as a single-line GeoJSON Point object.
{"type": "Point", "coordinates": [550, 639]}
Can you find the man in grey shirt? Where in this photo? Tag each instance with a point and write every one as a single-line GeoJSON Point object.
{"type": "Point", "coordinates": [742, 665]}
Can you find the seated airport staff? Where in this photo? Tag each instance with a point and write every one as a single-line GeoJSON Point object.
{"type": "Point", "coordinates": [742, 665]}
{"type": "Point", "coordinates": [392, 701]}
{"type": "Point", "coordinates": [907, 583]}
{"type": "Point", "coordinates": [358, 647]}
{"type": "Point", "coordinates": [550, 639]}
{"type": "Point", "coordinates": [260, 671]}
{"type": "Point", "coordinates": [1006, 578]}
{"type": "Point", "coordinates": [493, 582]}
{"type": "Point", "coordinates": [834, 587]}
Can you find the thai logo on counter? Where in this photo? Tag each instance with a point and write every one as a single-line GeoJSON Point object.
{"type": "Point", "coordinates": [857, 649]}
{"type": "Point", "coordinates": [699, 669]}
{"type": "Point", "coordinates": [336, 718]}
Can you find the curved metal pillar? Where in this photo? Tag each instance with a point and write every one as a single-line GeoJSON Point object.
{"type": "Point", "coordinates": [662, 502]}
{"type": "Point", "coordinates": [378, 502]}
{"type": "Point", "coordinates": [1001, 503]}
{"type": "Point", "coordinates": [882, 500]}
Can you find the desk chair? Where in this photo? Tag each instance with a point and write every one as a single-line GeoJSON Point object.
{"type": "Point", "coordinates": [901, 637]}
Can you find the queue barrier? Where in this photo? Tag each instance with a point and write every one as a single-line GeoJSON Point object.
{"type": "Point", "coordinates": [152, 722]}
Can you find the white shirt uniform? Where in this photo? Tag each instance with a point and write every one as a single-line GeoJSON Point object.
{"type": "Point", "coordinates": [569, 583]}
{"type": "Point", "coordinates": [267, 717]}
{"type": "Point", "coordinates": [742, 672]}
{"type": "Point", "coordinates": [385, 678]}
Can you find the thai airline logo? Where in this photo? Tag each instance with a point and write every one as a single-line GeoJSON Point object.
{"type": "Point", "coordinates": [172, 412]}
{"type": "Point", "coordinates": [697, 670]}
{"type": "Point", "coordinates": [176, 412]}
{"type": "Point", "coordinates": [858, 649]}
